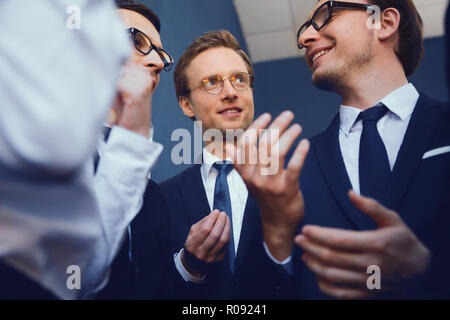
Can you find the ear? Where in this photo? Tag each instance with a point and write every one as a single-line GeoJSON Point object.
{"type": "Point", "coordinates": [186, 106]}
{"type": "Point", "coordinates": [390, 21]}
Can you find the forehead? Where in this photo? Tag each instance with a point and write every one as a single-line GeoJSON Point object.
{"type": "Point", "coordinates": [136, 20]}
{"type": "Point", "coordinates": [216, 61]}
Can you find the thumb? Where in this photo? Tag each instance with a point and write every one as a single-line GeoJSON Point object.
{"type": "Point", "coordinates": [382, 216]}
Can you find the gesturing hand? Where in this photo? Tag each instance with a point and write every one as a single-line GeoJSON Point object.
{"type": "Point", "coordinates": [339, 258]}
{"type": "Point", "coordinates": [206, 241]}
{"type": "Point", "coordinates": [275, 188]}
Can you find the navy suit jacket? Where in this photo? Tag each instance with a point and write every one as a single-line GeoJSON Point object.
{"type": "Point", "coordinates": [144, 267]}
{"type": "Point", "coordinates": [15, 285]}
{"type": "Point", "coordinates": [419, 192]}
{"type": "Point", "coordinates": [255, 276]}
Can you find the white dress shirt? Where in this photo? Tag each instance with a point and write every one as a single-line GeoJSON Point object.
{"type": "Point", "coordinates": [238, 197]}
{"type": "Point", "coordinates": [392, 128]}
{"type": "Point", "coordinates": [56, 86]}
{"type": "Point", "coordinates": [121, 179]}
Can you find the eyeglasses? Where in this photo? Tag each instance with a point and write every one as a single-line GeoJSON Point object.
{"type": "Point", "coordinates": [213, 85]}
{"type": "Point", "coordinates": [144, 45]}
{"type": "Point", "coordinates": [323, 15]}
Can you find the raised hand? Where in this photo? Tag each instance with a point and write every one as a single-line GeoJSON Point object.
{"type": "Point", "coordinates": [275, 188]}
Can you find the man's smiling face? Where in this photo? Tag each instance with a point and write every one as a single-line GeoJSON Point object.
{"type": "Point", "coordinates": [230, 109]}
{"type": "Point", "coordinates": [340, 48]}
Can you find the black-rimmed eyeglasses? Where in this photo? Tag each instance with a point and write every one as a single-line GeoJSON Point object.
{"type": "Point", "coordinates": [144, 45]}
{"type": "Point", "coordinates": [324, 13]}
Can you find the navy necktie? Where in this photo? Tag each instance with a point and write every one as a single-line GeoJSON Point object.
{"type": "Point", "coordinates": [374, 169]}
{"type": "Point", "coordinates": [222, 202]}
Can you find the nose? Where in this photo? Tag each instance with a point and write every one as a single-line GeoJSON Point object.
{"type": "Point", "coordinates": [228, 92]}
{"type": "Point", "coordinates": [308, 37]}
{"type": "Point", "coordinates": [154, 62]}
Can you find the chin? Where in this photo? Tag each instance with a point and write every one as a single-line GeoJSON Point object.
{"type": "Point", "coordinates": [326, 81]}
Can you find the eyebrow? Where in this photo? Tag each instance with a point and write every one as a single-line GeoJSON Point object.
{"type": "Point", "coordinates": [232, 73]}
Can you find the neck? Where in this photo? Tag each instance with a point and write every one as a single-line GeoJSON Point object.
{"type": "Point", "coordinates": [372, 84]}
{"type": "Point", "coordinates": [218, 149]}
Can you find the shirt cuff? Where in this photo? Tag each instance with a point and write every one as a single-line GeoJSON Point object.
{"type": "Point", "coordinates": [286, 263]}
{"type": "Point", "coordinates": [128, 146]}
{"type": "Point", "coordinates": [184, 273]}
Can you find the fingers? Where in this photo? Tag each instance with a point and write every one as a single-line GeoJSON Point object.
{"type": "Point", "coordinates": [339, 292]}
{"type": "Point", "coordinates": [336, 258]}
{"type": "Point", "coordinates": [297, 160]}
{"type": "Point", "coordinates": [287, 139]}
{"type": "Point", "coordinates": [215, 238]}
{"type": "Point", "coordinates": [246, 146]}
{"type": "Point", "coordinates": [199, 232]}
{"type": "Point", "coordinates": [335, 275]}
{"type": "Point", "coordinates": [272, 135]}
{"type": "Point", "coordinates": [223, 240]}
{"type": "Point", "coordinates": [382, 216]}
{"type": "Point", "coordinates": [135, 81]}
{"type": "Point", "coordinates": [221, 256]}
{"type": "Point", "coordinates": [344, 240]}
{"type": "Point", "coordinates": [250, 136]}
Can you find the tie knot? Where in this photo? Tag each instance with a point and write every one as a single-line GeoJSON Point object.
{"type": "Point", "coordinates": [223, 167]}
{"type": "Point", "coordinates": [374, 113]}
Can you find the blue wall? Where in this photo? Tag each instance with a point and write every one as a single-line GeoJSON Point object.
{"type": "Point", "coordinates": [279, 85]}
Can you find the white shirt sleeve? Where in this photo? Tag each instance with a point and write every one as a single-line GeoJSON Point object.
{"type": "Point", "coordinates": [56, 83]}
{"type": "Point", "coordinates": [183, 272]}
{"type": "Point", "coordinates": [121, 179]}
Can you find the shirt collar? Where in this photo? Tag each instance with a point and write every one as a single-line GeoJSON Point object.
{"type": "Point", "coordinates": [208, 161]}
{"type": "Point", "coordinates": [400, 102]}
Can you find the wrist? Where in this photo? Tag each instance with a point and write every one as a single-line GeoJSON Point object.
{"type": "Point", "coordinates": [142, 131]}
{"type": "Point", "coordinates": [279, 241]}
{"type": "Point", "coordinates": [187, 262]}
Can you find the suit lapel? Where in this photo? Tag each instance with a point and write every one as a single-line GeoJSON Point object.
{"type": "Point", "coordinates": [194, 195]}
{"type": "Point", "coordinates": [328, 153]}
{"type": "Point", "coordinates": [250, 224]}
{"type": "Point", "coordinates": [417, 138]}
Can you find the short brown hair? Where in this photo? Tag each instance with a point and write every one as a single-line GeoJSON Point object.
{"type": "Point", "coordinates": [142, 10]}
{"type": "Point", "coordinates": [410, 46]}
{"type": "Point", "coordinates": [209, 40]}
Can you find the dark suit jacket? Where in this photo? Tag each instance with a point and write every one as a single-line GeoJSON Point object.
{"type": "Point", "coordinates": [150, 272]}
{"type": "Point", "coordinates": [255, 276]}
{"type": "Point", "coordinates": [15, 285]}
{"type": "Point", "coordinates": [419, 192]}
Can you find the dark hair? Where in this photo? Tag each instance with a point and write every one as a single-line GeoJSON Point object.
{"type": "Point", "coordinates": [410, 46]}
{"type": "Point", "coordinates": [209, 40]}
{"type": "Point", "coordinates": [141, 9]}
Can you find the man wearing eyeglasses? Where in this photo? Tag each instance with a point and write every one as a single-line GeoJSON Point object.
{"type": "Point", "coordinates": [215, 226]}
{"type": "Point", "coordinates": [126, 154]}
{"type": "Point", "coordinates": [388, 143]}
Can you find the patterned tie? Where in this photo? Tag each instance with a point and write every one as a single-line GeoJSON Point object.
{"type": "Point", "coordinates": [374, 169]}
{"type": "Point", "coordinates": [222, 202]}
